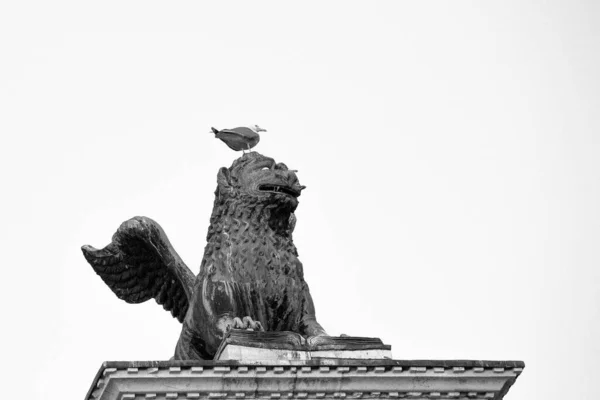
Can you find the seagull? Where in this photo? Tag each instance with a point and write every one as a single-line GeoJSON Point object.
{"type": "Point", "coordinates": [241, 138]}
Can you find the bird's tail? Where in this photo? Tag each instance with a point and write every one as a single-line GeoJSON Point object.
{"type": "Point", "coordinates": [215, 131]}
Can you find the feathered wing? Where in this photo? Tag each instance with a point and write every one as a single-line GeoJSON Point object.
{"type": "Point", "coordinates": [140, 264]}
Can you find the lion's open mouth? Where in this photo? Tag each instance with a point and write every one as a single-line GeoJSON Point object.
{"type": "Point", "coordinates": [279, 189]}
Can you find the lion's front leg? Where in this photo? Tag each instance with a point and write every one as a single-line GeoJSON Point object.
{"type": "Point", "coordinates": [309, 325]}
{"type": "Point", "coordinates": [199, 341]}
{"type": "Point", "coordinates": [213, 313]}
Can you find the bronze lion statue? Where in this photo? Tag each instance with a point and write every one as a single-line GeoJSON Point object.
{"type": "Point", "coordinates": [250, 276]}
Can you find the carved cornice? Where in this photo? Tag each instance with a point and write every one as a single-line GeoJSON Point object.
{"type": "Point", "coordinates": [315, 379]}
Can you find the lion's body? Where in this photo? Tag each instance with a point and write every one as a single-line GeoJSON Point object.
{"type": "Point", "coordinates": [250, 275]}
{"type": "Point", "coordinates": [250, 268]}
{"type": "Point", "coordinates": [259, 267]}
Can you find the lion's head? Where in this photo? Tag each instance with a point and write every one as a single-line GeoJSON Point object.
{"type": "Point", "coordinates": [264, 192]}
{"type": "Point", "coordinates": [257, 178]}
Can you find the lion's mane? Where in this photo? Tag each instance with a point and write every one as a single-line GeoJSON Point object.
{"type": "Point", "coordinates": [249, 243]}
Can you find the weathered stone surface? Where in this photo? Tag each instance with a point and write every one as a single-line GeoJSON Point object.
{"type": "Point", "coordinates": [327, 378]}
{"type": "Point", "coordinates": [250, 276]}
{"type": "Point", "coordinates": [294, 341]}
{"type": "Point", "coordinates": [251, 346]}
{"type": "Point", "coordinates": [258, 354]}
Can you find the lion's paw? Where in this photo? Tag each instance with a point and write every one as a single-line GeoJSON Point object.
{"type": "Point", "coordinates": [247, 323]}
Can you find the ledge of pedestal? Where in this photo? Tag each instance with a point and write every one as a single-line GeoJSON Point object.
{"type": "Point", "coordinates": [311, 379]}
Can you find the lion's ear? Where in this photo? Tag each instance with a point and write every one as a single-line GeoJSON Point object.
{"type": "Point", "coordinates": [224, 178]}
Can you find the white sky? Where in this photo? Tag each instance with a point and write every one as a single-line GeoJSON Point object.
{"type": "Point", "coordinates": [450, 151]}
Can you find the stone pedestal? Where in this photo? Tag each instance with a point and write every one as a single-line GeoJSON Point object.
{"type": "Point", "coordinates": [307, 379]}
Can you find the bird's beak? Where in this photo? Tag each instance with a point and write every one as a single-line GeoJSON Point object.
{"type": "Point", "coordinates": [260, 130]}
{"type": "Point", "coordinates": [302, 187]}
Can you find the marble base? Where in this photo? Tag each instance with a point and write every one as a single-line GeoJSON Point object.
{"type": "Point", "coordinates": [309, 379]}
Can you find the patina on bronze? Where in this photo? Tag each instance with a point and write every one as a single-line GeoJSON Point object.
{"type": "Point", "coordinates": [250, 276]}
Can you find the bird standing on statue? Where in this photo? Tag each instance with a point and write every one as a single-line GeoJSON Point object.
{"type": "Point", "coordinates": [241, 138]}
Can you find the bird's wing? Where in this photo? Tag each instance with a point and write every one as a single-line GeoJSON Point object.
{"type": "Point", "coordinates": [242, 130]}
{"type": "Point", "coordinates": [140, 264]}
{"type": "Point", "coordinates": [233, 140]}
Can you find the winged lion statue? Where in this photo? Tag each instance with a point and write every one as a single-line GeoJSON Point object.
{"type": "Point", "coordinates": [250, 276]}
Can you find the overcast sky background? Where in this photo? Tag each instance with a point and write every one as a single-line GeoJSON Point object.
{"type": "Point", "coordinates": [450, 150]}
